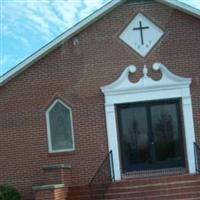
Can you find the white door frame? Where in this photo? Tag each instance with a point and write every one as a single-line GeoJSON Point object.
{"type": "Point", "coordinates": [124, 91]}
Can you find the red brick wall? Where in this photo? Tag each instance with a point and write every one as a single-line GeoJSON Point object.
{"type": "Point", "coordinates": [75, 74]}
{"type": "Point", "coordinates": [57, 176]}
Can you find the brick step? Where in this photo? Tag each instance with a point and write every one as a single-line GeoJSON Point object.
{"type": "Point", "coordinates": [126, 186]}
{"type": "Point", "coordinates": [168, 187]}
{"type": "Point", "coordinates": [154, 192]}
{"type": "Point", "coordinates": [172, 194]}
{"type": "Point", "coordinates": [178, 196]}
{"type": "Point", "coordinates": [143, 188]}
{"type": "Point", "coordinates": [144, 181]}
{"type": "Point", "coordinates": [195, 198]}
{"type": "Point", "coordinates": [154, 180]}
{"type": "Point", "coordinates": [157, 185]}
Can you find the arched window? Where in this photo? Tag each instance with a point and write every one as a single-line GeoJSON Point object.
{"type": "Point", "coordinates": [59, 127]}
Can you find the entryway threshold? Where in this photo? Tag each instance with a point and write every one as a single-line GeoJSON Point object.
{"type": "Point", "coordinates": [155, 173]}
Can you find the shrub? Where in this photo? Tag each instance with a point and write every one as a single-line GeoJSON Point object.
{"type": "Point", "coordinates": [9, 193]}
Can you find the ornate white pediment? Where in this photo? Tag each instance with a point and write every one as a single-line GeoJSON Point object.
{"type": "Point", "coordinates": [169, 86]}
{"type": "Point", "coordinates": [124, 85]}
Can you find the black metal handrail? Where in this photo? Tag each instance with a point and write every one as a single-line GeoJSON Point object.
{"type": "Point", "coordinates": [197, 157]}
{"type": "Point", "coordinates": [102, 178]}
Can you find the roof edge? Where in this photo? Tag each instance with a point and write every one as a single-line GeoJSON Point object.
{"type": "Point", "coordinates": [182, 7]}
{"type": "Point", "coordinates": [80, 27]}
{"type": "Point", "coordinates": [60, 39]}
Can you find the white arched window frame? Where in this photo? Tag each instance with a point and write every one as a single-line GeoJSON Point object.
{"type": "Point", "coordinates": [124, 91]}
{"type": "Point", "coordinates": [49, 127]}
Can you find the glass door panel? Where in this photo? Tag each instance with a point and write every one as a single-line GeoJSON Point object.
{"type": "Point", "coordinates": [166, 134]}
{"type": "Point", "coordinates": [134, 137]}
{"type": "Point", "coordinates": [150, 135]}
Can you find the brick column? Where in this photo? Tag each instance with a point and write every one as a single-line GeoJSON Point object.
{"type": "Point", "coordinates": [50, 192]}
{"type": "Point", "coordinates": [57, 179]}
{"type": "Point", "coordinates": [57, 173]}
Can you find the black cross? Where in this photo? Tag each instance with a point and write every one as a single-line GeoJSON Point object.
{"type": "Point", "coordinates": [141, 31]}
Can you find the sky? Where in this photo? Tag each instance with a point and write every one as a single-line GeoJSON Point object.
{"type": "Point", "coordinates": [27, 25]}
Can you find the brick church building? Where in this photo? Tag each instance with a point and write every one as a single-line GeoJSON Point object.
{"type": "Point", "coordinates": [108, 110]}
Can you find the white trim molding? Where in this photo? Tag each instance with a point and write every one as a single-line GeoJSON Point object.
{"type": "Point", "coordinates": [49, 128]}
{"type": "Point", "coordinates": [124, 91]}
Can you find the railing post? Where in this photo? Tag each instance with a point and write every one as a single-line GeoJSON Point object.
{"type": "Point", "coordinates": [196, 154]}
{"type": "Point", "coordinates": [112, 166]}
{"type": "Point", "coordinates": [102, 178]}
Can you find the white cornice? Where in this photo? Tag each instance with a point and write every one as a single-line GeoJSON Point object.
{"type": "Point", "coordinates": [124, 85]}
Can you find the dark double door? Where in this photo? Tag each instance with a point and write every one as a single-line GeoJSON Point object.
{"type": "Point", "coordinates": [150, 135]}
